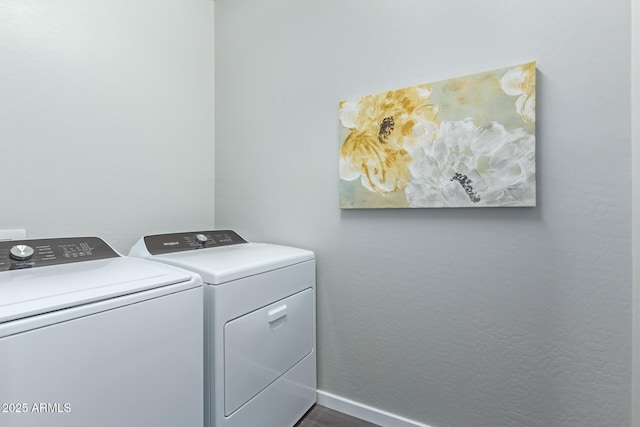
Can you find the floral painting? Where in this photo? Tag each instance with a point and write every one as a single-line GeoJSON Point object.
{"type": "Point", "coordinates": [462, 142]}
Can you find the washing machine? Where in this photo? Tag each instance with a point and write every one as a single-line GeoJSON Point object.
{"type": "Point", "coordinates": [92, 338]}
{"type": "Point", "coordinates": [259, 308]}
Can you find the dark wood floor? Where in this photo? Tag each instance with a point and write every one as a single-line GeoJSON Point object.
{"type": "Point", "coordinates": [320, 416]}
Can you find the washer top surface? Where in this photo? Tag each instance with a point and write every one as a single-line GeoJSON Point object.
{"type": "Point", "coordinates": [44, 284]}
{"type": "Point", "coordinates": [224, 263]}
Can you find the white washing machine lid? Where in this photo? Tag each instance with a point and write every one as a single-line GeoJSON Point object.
{"type": "Point", "coordinates": [32, 291]}
{"type": "Point", "coordinates": [218, 265]}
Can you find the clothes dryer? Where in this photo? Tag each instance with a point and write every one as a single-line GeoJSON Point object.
{"type": "Point", "coordinates": [91, 338]}
{"type": "Point", "coordinates": [260, 357]}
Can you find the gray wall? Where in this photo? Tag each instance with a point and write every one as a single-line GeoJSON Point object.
{"type": "Point", "coordinates": [635, 111]}
{"type": "Point", "coordinates": [106, 117]}
{"type": "Point", "coordinates": [455, 318]}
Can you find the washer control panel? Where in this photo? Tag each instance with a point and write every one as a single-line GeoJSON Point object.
{"type": "Point", "coordinates": [17, 254]}
{"type": "Point", "coordinates": [191, 240]}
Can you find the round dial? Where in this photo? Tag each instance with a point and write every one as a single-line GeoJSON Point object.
{"type": "Point", "coordinates": [201, 238]}
{"type": "Point", "coordinates": [21, 252]}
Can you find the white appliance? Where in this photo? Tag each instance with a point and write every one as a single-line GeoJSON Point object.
{"type": "Point", "coordinates": [260, 357]}
{"type": "Point", "coordinates": [91, 338]}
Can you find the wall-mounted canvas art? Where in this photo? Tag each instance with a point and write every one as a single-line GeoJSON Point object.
{"type": "Point", "coordinates": [462, 142]}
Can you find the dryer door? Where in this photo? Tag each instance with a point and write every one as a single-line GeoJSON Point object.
{"type": "Point", "coordinates": [261, 346]}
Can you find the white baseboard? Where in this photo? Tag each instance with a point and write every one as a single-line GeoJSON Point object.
{"type": "Point", "coordinates": [364, 412]}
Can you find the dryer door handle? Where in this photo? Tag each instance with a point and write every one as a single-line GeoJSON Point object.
{"type": "Point", "coordinates": [277, 313]}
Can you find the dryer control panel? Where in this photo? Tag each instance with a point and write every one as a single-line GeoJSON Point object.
{"type": "Point", "coordinates": [17, 254]}
{"type": "Point", "coordinates": [191, 240]}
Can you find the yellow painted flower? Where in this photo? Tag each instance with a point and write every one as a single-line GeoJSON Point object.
{"type": "Point", "coordinates": [381, 127]}
{"type": "Point", "coordinates": [521, 82]}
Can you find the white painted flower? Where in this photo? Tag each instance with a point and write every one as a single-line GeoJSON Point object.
{"type": "Point", "coordinates": [467, 165]}
{"type": "Point", "coordinates": [521, 82]}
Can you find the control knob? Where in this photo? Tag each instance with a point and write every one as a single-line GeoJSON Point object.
{"type": "Point", "coordinates": [21, 252]}
{"type": "Point", "coordinates": [201, 238]}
